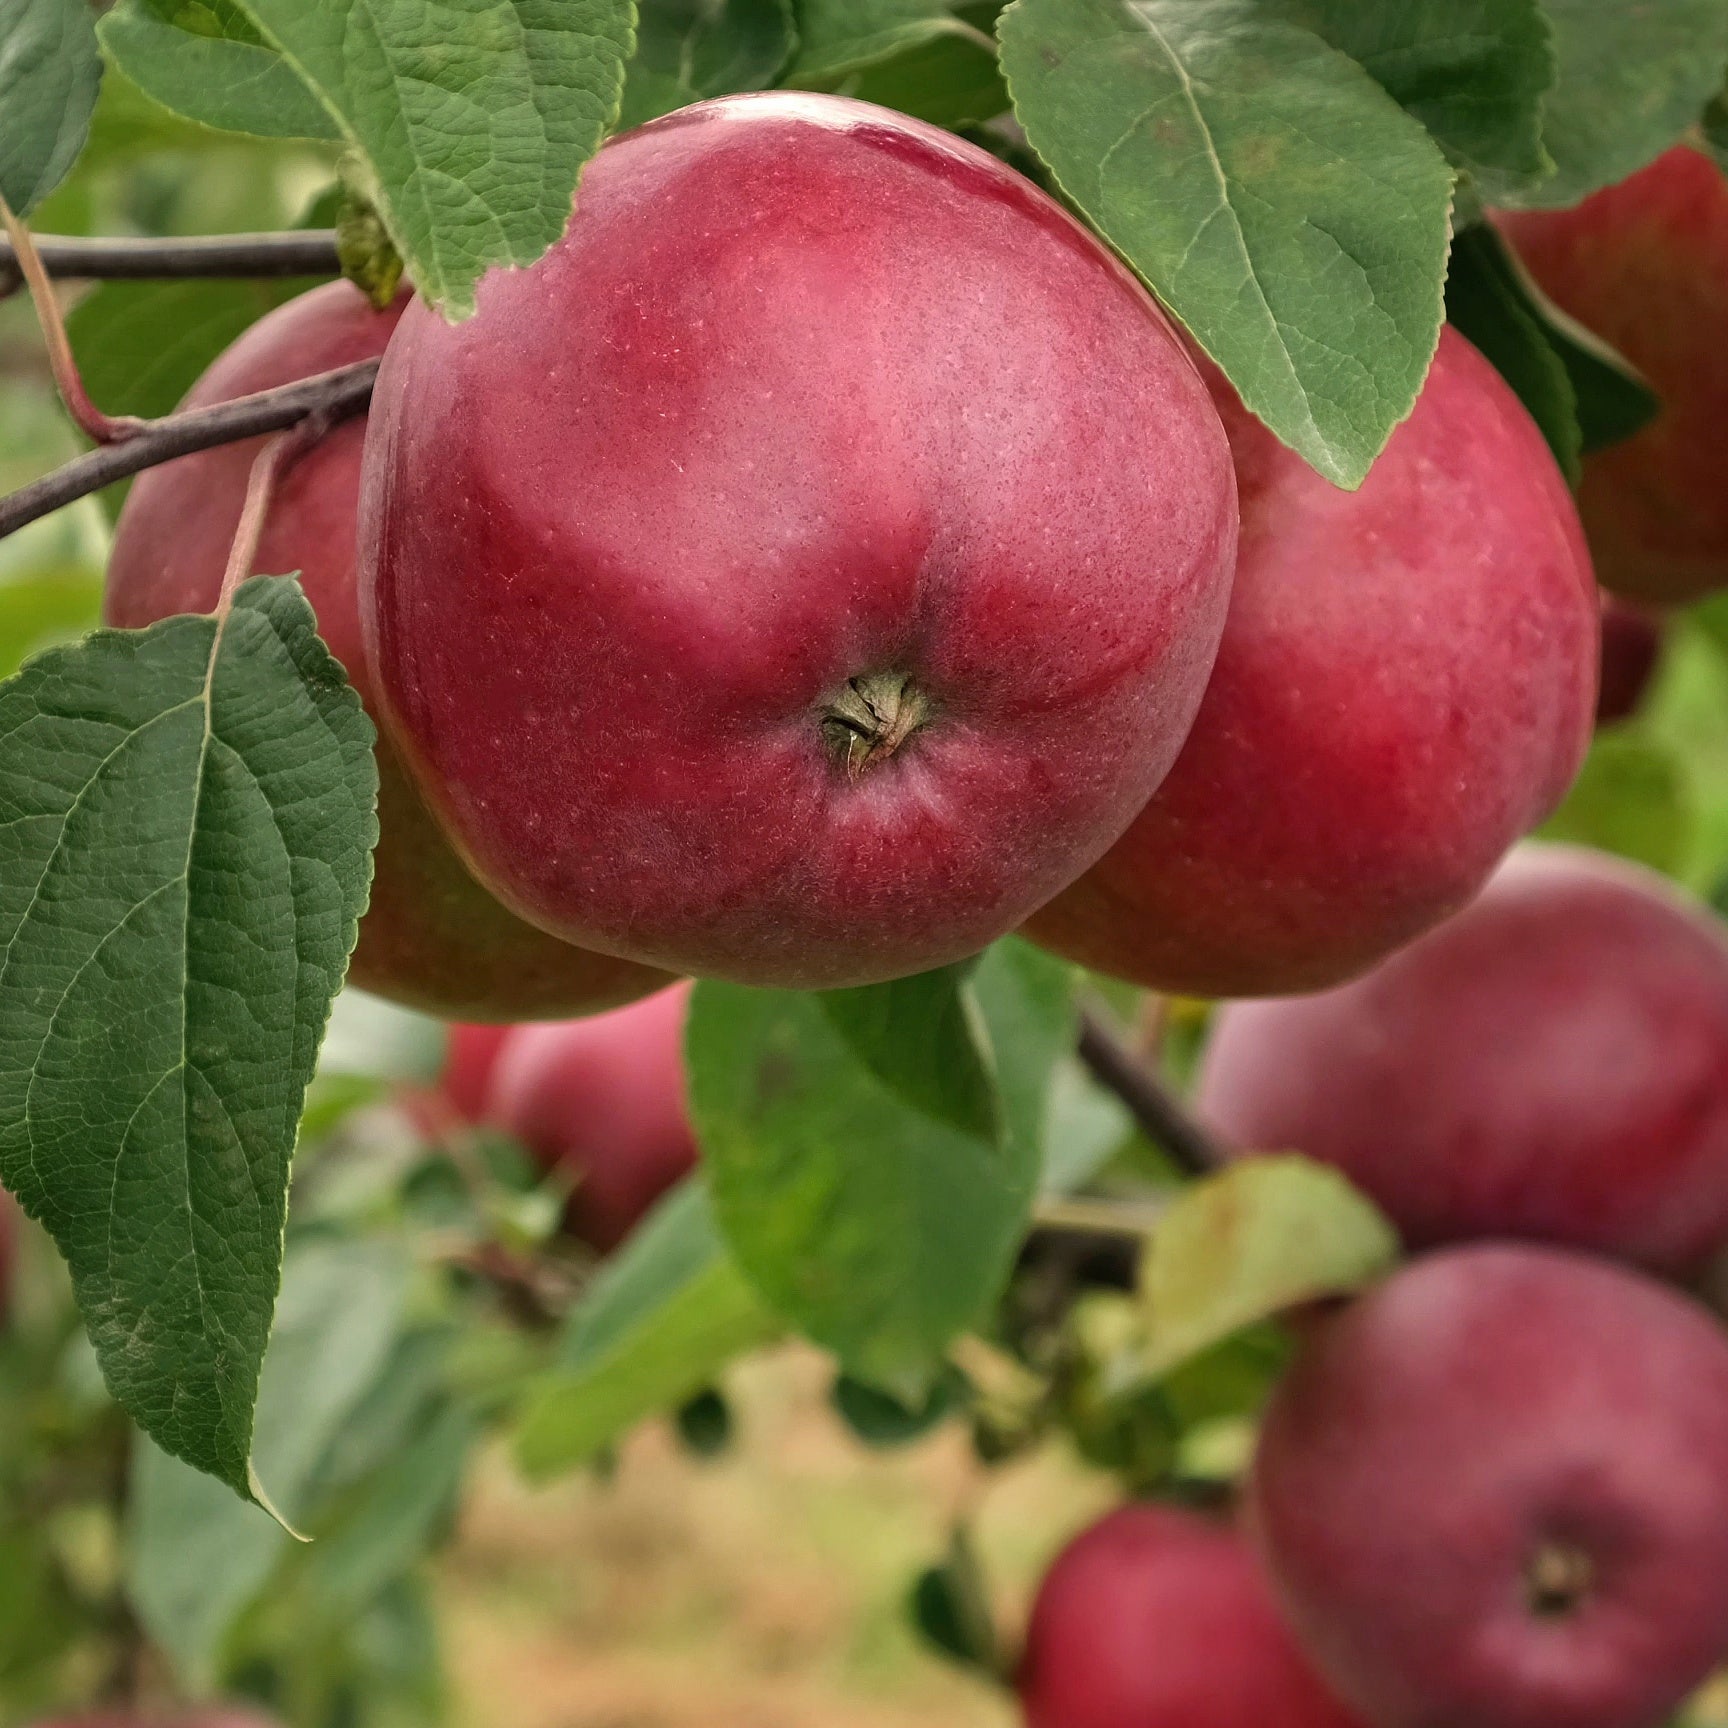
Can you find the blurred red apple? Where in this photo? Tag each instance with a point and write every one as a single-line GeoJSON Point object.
{"type": "Point", "coordinates": [1631, 649]}
{"type": "Point", "coordinates": [1552, 1063]}
{"type": "Point", "coordinates": [1493, 1493]}
{"type": "Point", "coordinates": [1405, 688]}
{"type": "Point", "coordinates": [468, 1064]}
{"type": "Point", "coordinates": [432, 937]}
{"type": "Point", "coordinates": [810, 565]}
{"type": "Point", "coordinates": [1645, 266]}
{"type": "Point", "coordinates": [602, 1099]}
{"type": "Point", "coordinates": [1158, 1618]}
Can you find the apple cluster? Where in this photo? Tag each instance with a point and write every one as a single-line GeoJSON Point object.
{"type": "Point", "coordinates": [827, 560]}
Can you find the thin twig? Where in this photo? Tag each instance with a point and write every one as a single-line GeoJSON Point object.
{"type": "Point", "coordinates": [1162, 1117]}
{"type": "Point", "coordinates": [1128, 1218]}
{"type": "Point", "coordinates": [336, 395]}
{"type": "Point", "coordinates": [90, 420]}
{"type": "Point", "coordinates": [68, 258]}
{"type": "Point", "coordinates": [267, 468]}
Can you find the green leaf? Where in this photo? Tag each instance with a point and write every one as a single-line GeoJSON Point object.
{"type": "Point", "coordinates": [1274, 196]}
{"type": "Point", "coordinates": [950, 1607]}
{"type": "Point", "coordinates": [1632, 80]}
{"type": "Point", "coordinates": [1633, 797]}
{"type": "Point", "coordinates": [878, 1227]}
{"type": "Point", "coordinates": [142, 345]}
{"type": "Point", "coordinates": [881, 1420]}
{"type": "Point", "coordinates": [1613, 399]}
{"type": "Point", "coordinates": [689, 49]}
{"type": "Point", "coordinates": [840, 36]}
{"type": "Point", "coordinates": [397, 1522]}
{"type": "Point", "coordinates": [1474, 72]}
{"type": "Point", "coordinates": [924, 1039]}
{"type": "Point", "coordinates": [1265, 1235]}
{"type": "Point", "coordinates": [704, 1424]}
{"type": "Point", "coordinates": [667, 1311]}
{"type": "Point", "coordinates": [471, 125]}
{"type": "Point", "coordinates": [952, 80]}
{"type": "Point", "coordinates": [50, 73]}
{"type": "Point", "coordinates": [1581, 393]}
{"type": "Point", "coordinates": [205, 60]}
{"type": "Point", "coordinates": [1488, 301]}
{"type": "Point", "coordinates": [186, 819]}
{"type": "Point", "coordinates": [196, 1557]}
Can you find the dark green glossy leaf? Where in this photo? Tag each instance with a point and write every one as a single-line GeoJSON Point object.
{"type": "Point", "coordinates": [840, 36]}
{"type": "Point", "coordinates": [880, 1419]}
{"type": "Point", "coordinates": [50, 74]}
{"type": "Point", "coordinates": [1487, 299]}
{"type": "Point", "coordinates": [879, 1228]}
{"type": "Point", "coordinates": [206, 60]}
{"type": "Point", "coordinates": [469, 127]}
{"type": "Point", "coordinates": [142, 345]}
{"type": "Point", "coordinates": [924, 1040]}
{"type": "Point", "coordinates": [689, 49]}
{"type": "Point", "coordinates": [1474, 72]}
{"type": "Point", "coordinates": [186, 822]}
{"type": "Point", "coordinates": [1632, 79]}
{"type": "Point", "coordinates": [704, 1424]}
{"type": "Point", "coordinates": [1276, 198]}
{"type": "Point", "coordinates": [950, 1607]}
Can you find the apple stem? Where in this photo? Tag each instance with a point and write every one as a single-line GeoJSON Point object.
{"type": "Point", "coordinates": [871, 718]}
{"type": "Point", "coordinates": [91, 421]}
{"type": "Point", "coordinates": [1163, 1117]}
{"type": "Point", "coordinates": [1557, 1579]}
{"type": "Point", "coordinates": [268, 467]}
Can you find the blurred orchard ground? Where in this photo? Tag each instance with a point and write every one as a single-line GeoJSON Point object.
{"type": "Point", "coordinates": [762, 1589]}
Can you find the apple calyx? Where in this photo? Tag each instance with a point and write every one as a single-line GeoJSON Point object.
{"type": "Point", "coordinates": [1557, 1580]}
{"type": "Point", "coordinates": [871, 718]}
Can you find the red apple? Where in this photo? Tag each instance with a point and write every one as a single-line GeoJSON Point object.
{"type": "Point", "coordinates": [432, 937]}
{"type": "Point", "coordinates": [1552, 1063]}
{"type": "Point", "coordinates": [1156, 1618]}
{"type": "Point", "coordinates": [468, 1064]}
{"type": "Point", "coordinates": [810, 565]}
{"type": "Point", "coordinates": [1645, 265]}
{"type": "Point", "coordinates": [602, 1099]}
{"type": "Point", "coordinates": [1493, 1493]}
{"type": "Point", "coordinates": [1405, 688]}
{"type": "Point", "coordinates": [1631, 649]}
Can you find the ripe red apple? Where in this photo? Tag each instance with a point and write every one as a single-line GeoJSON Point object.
{"type": "Point", "coordinates": [468, 1066]}
{"type": "Point", "coordinates": [604, 1100]}
{"type": "Point", "coordinates": [1405, 688]}
{"type": "Point", "coordinates": [1157, 1618]}
{"type": "Point", "coordinates": [432, 937]}
{"type": "Point", "coordinates": [1631, 649]}
{"type": "Point", "coordinates": [1645, 265]}
{"type": "Point", "coordinates": [810, 565]}
{"type": "Point", "coordinates": [1493, 1493]}
{"type": "Point", "coordinates": [1552, 1063]}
